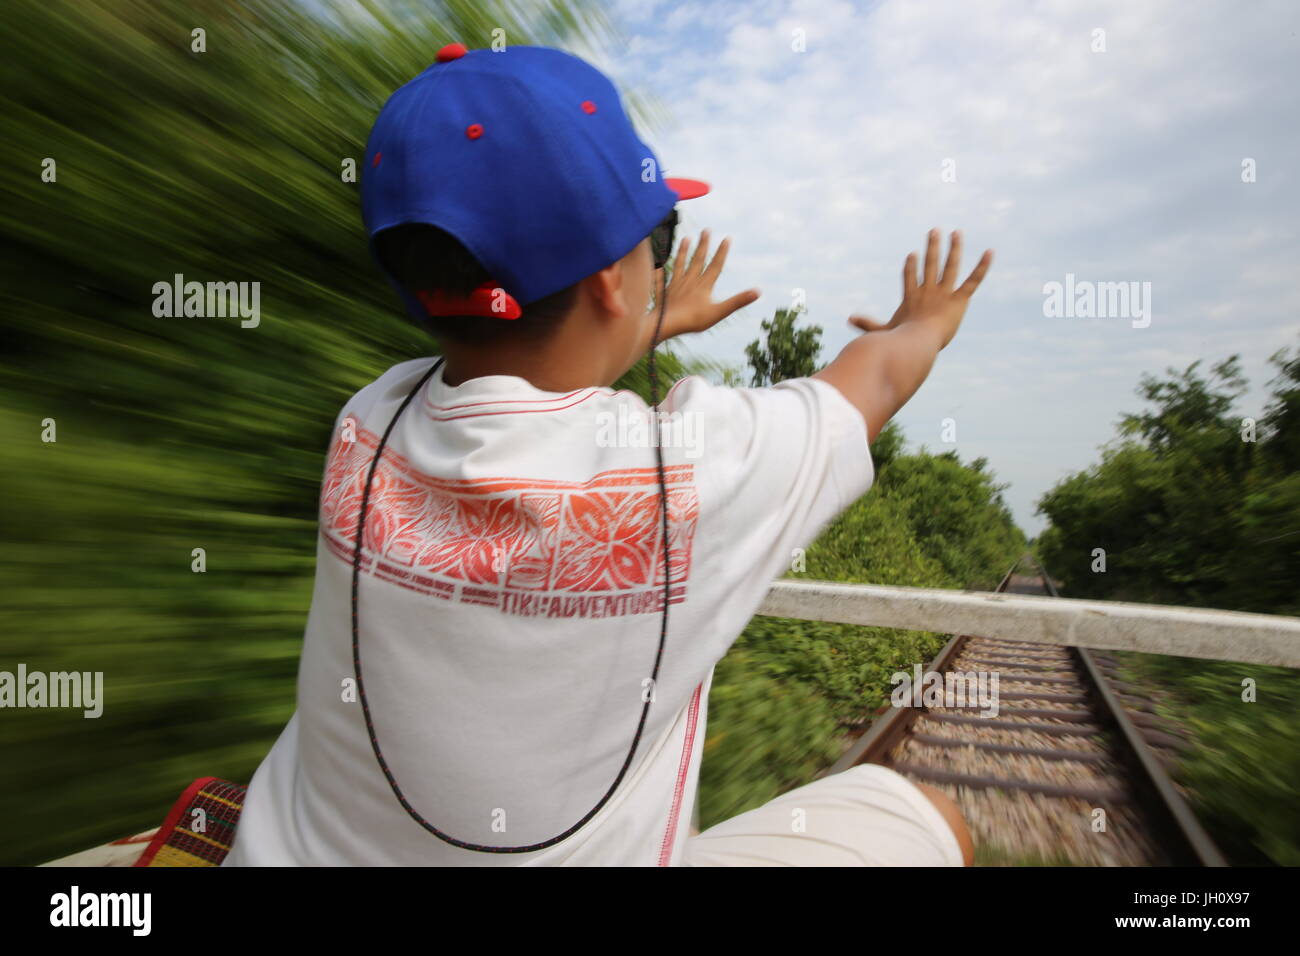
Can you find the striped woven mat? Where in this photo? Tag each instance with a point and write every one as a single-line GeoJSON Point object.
{"type": "Point", "coordinates": [200, 829]}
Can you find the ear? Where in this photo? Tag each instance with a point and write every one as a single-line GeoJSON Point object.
{"type": "Point", "coordinates": [605, 288]}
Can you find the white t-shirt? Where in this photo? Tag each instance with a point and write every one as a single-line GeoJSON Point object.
{"type": "Point", "coordinates": [509, 608]}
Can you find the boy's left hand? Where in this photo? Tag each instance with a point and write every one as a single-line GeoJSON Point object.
{"type": "Point", "coordinates": [690, 291]}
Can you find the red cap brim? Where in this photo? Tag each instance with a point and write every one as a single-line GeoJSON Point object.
{"type": "Point", "coordinates": [687, 188]}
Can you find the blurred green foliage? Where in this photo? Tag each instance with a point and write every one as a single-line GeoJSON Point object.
{"type": "Point", "coordinates": [1243, 770]}
{"type": "Point", "coordinates": [1192, 509]}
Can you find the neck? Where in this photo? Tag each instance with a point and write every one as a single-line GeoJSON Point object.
{"type": "Point", "coordinates": [537, 369]}
{"type": "Point", "coordinates": [580, 353]}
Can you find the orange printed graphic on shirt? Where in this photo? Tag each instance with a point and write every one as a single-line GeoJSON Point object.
{"type": "Point", "coordinates": [529, 547]}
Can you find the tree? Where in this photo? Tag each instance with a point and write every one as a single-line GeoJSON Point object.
{"type": "Point", "coordinates": [788, 353]}
{"type": "Point", "coordinates": [733, 376]}
{"type": "Point", "coordinates": [1186, 402]}
{"type": "Point", "coordinates": [1281, 419]}
{"type": "Point", "coordinates": [1187, 509]}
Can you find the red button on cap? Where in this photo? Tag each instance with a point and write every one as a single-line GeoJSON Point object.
{"type": "Point", "coordinates": [452, 51]}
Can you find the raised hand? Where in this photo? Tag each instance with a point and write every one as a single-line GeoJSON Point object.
{"type": "Point", "coordinates": [690, 291]}
{"type": "Point", "coordinates": [934, 299]}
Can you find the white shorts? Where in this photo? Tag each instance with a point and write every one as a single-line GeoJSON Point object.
{"type": "Point", "coordinates": [865, 816]}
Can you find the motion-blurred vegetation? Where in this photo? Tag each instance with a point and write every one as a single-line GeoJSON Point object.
{"type": "Point", "coordinates": [1197, 504]}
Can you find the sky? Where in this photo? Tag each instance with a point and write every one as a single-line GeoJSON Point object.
{"type": "Point", "coordinates": [835, 134]}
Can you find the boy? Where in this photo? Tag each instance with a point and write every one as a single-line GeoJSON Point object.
{"type": "Point", "coordinates": [518, 605]}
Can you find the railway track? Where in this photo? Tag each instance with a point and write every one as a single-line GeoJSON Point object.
{"type": "Point", "coordinates": [1054, 759]}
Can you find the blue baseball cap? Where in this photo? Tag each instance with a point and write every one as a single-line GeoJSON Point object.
{"type": "Point", "coordinates": [525, 156]}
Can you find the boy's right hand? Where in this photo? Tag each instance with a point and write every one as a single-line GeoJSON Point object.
{"type": "Point", "coordinates": [933, 300]}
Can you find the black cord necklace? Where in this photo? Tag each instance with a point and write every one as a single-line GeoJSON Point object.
{"type": "Point", "coordinates": [663, 632]}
